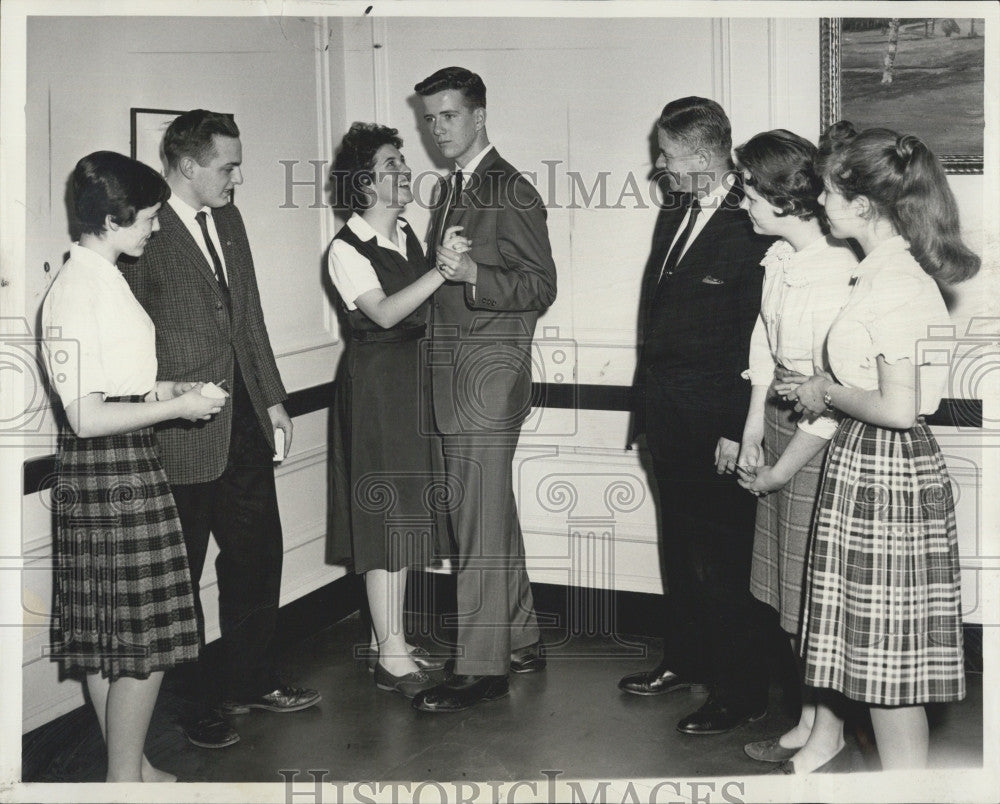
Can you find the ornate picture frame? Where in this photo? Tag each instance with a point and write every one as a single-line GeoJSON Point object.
{"type": "Point", "coordinates": [834, 95]}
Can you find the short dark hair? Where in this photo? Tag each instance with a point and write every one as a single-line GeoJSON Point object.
{"type": "Point", "coordinates": [191, 134]}
{"type": "Point", "coordinates": [353, 167]}
{"type": "Point", "coordinates": [465, 81]}
{"type": "Point", "coordinates": [698, 123]}
{"type": "Point", "coordinates": [779, 166]}
{"type": "Point", "coordinates": [107, 183]}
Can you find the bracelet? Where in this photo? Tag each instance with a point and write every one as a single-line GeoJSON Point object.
{"type": "Point", "coordinates": [827, 399]}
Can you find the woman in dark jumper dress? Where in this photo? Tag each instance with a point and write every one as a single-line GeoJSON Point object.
{"type": "Point", "coordinates": [387, 490]}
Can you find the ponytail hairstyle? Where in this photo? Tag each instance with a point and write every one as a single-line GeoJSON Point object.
{"type": "Point", "coordinates": [906, 185]}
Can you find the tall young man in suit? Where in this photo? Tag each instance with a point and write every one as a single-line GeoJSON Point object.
{"type": "Point", "coordinates": [197, 283]}
{"type": "Point", "coordinates": [701, 295]}
{"type": "Point", "coordinates": [480, 366]}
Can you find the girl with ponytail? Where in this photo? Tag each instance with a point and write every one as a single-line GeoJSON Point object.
{"type": "Point", "coordinates": [881, 617]}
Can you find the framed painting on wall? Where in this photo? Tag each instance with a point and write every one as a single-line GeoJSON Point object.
{"type": "Point", "coordinates": [147, 128]}
{"type": "Point", "coordinates": [916, 76]}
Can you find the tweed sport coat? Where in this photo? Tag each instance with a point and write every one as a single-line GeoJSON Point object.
{"type": "Point", "coordinates": [480, 353]}
{"type": "Point", "coordinates": [197, 338]}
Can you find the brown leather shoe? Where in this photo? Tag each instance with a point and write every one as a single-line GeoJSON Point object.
{"type": "Point", "coordinates": [841, 762]}
{"type": "Point", "coordinates": [421, 657]}
{"type": "Point", "coordinates": [657, 682]}
{"type": "Point", "coordinates": [769, 750]}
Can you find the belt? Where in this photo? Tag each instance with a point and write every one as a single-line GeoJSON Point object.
{"type": "Point", "coordinates": [387, 335]}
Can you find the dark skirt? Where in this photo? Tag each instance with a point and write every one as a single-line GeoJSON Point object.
{"type": "Point", "coordinates": [882, 618]}
{"type": "Point", "coordinates": [784, 521]}
{"type": "Point", "coordinates": [389, 497]}
{"type": "Point", "coordinates": [123, 599]}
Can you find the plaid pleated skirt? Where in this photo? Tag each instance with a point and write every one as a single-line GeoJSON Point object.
{"type": "Point", "coordinates": [784, 522]}
{"type": "Point", "coordinates": [882, 616]}
{"type": "Point", "coordinates": [123, 599]}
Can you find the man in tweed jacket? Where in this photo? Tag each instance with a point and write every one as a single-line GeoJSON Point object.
{"type": "Point", "coordinates": [197, 282]}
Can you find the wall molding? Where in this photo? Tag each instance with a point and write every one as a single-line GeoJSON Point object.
{"type": "Point", "coordinates": [722, 74]}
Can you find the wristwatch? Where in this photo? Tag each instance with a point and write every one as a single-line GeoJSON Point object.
{"type": "Point", "coordinates": [827, 399]}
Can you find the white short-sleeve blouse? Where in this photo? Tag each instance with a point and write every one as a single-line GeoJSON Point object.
{"type": "Point", "coordinates": [96, 336]}
{"type": "Point", "coordinates": [350, 272]}
{"type": "Point", "coordinates": [893, 308]}
{"type": "Point", "coordinates": [803, 293]}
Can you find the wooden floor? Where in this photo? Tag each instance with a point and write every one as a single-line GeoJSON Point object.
{"type": "Point", "coordinates": [571, 719]}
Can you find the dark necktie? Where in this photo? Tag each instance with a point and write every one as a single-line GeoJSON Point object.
{"type": "Point", "coordinates": [216, 262]}
{"type": "Point", "coordinates": [674, 257]}
{"type": "Point", "coordinates": [454, 197]}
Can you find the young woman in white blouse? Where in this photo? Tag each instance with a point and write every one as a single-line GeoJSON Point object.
{"type": "Point", "coordinates": [806, 282]}
{"type": "Point", "coordinates": [124, 610]}
{"type": "Point", "coordinates": [882, 614]}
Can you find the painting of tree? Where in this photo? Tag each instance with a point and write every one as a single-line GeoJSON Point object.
{"type": "Point", "coordinates": [918, 76]}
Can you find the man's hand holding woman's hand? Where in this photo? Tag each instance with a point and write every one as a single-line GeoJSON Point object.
{"type": "Point", "coordinates": [453, 260]}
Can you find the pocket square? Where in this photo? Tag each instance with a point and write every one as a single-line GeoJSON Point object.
{"type": "Point", "coordinates": [711, 280]}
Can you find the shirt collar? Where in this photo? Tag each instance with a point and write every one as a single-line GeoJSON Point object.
{"type": "Point", "coordinates": [474, 162]}
{"type": "Point", "coordinates": [92, 259]}
{"type": "Point", "coordinates": [818, 244]}
{"type": "Point", "coordinates": [716, 197]}
{"type": "Point", "coordinates": [185, 211]}
{"type": "Point", "coordinates": [887, 248]}
{"type": "Point", "coordinates": [364, 231]}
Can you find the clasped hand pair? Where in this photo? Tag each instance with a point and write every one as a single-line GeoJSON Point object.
{"type": "Point", "coordinates": [753, 474]}
{"type": "Point", "coordinates": [807, 392]}
{"type": "Point", "coordinates": [453, 260]}
{"type": "Point", "coordinates": [746, 460]}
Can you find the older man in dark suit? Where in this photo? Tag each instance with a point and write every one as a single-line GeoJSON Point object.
{"type": "Point", "coordinates": [480, 365]}
{"type": "Point", "coordinates": [701, 295]}
{"type": "Point", "coordinates": [196, 280]}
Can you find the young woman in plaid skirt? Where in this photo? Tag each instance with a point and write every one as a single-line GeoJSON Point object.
{"type": "Point", "coordinates": [882, 617]}
{"type": "Point", "coordinates": [124, 610]}
{"type": "Point", "coordinates": [806, 282]}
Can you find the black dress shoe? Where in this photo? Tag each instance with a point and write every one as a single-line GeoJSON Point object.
{"type": "Point", "coordinates": [461, 692]}
{"type": "Point", "coordinates": [210, 731]}
{"type": "Point", "coordinates": [528, 659]}
{"type": "Point", "coordinates": [715, 717]}
{"type": "Point", "coordinates": [657, 682]}
{"type": "Point", "coordinates": [409, 684]}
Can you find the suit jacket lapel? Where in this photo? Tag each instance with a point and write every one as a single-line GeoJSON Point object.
{"type": "Point", "coordinates": [669, 221]}
{"type": "Point", "coordinates": [174, 227]}
{"type": "Point", "coordinates": [233, 275]}
{"type": "Point", "coordinates": [708, 236]}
